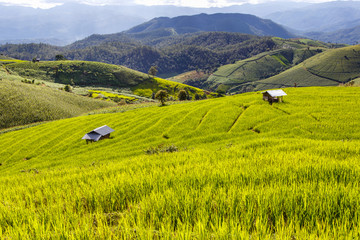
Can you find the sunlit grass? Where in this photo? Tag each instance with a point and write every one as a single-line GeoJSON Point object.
{"type": "Point", "coordinates": [244, 169]}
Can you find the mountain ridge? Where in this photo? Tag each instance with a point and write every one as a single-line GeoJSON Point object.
{"type": "Point", "coordinates": [28, 24]}
{"type": "Point", "coordinates": [223, 22]}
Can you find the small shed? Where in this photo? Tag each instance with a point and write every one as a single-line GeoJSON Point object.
{"type": "Point", "coordinates": [98, 134]}
{"type": "Point", "coordinates": [273, 95]}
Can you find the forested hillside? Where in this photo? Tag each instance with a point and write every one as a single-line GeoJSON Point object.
{"type": "Point", "coordinates": [228, 62]}
{"type": "Point", "coordinates": [243, 75]}
{"type": "Point", "coordinates": [235, 22]}
{"type": "Point", "coordinates": [172, 55]}
{"type": "Point", "coordinates": [95, 75]}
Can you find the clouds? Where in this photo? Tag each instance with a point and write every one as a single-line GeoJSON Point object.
{"type": "Point", "coordinates": [187, 3]}
{"type": "Point", "coordinates": [31, 3]}
{"type": "Point", "coordinates": [52, 3]}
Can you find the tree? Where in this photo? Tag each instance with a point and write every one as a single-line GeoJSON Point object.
{"type": "Point", "coordinates": [60, 57]}
{"type": "Point", "coordinates": [153, 71]}
{"type": "Point", "coordinates": [182, 95]}
{"type": "Point", "coordinates": [161, 95]}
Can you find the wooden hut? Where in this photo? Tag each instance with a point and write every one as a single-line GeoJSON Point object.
{"type": "Point", "coordinates": [273, 95]}
{"type": "Point", "coordinates": [98, 134]}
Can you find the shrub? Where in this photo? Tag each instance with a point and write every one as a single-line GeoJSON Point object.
{"type": "Point", "coordinates": [60, 57]}
{"type": "Point", "coordinates": [161, 149]}
{"type": "Point", "coordinates": [67, 88]}
{"type": "Point", "coordinates": [144, 92]}
{"type": "Point", "coordinates": [197, 96]}
{"type": "Point", "coordinates": [182, 95]}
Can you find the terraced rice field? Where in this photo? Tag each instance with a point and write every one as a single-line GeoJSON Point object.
{"type": "Point", "coordinates": [244, 169]}
{"type": "Point", "coordinates": [22, 103]}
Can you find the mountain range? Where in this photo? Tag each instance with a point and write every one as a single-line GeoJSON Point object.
{"type": "Point", "coordinates": [69, 22]}
{"type": "Point", "coordinates": [176, 45]}
{"type": "Point", "coordinates": [231, 52]}
{"type": "Point", "coordinates": [336, 22]}
{"type": "Point", "coordinates": [64, 24]}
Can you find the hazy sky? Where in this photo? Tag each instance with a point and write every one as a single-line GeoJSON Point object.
{"type": "Point", "coordinates": [188, 3]}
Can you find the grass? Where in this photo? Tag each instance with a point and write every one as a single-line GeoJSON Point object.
{"type": "Point", "coordinates": [243, 169]}
{"type": "Point", "coordinates": [22, 103]}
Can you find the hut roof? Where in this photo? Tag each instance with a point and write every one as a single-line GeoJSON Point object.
{"type": "Point", "coordinates": [92, 136]}
{"type": "Point", "coordinates": [104, 130]}
{"type": "Point", "coordinates": [97, 133]}
{"type": "Point", "coordinates": [276, 93]}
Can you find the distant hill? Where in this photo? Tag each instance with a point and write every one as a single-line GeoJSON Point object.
{"type": "Point", "coordinates": [248, 74]}
{"type": "Point", "coordinates": [348, 36]}
{"type": "Point", "coordinates": [95, 74]}
{"type": "Point", "coordinates": [236, 78]}
{"type": "Point", "coordinates": [79, 73]}
{"type": "Point", "coordinates": [66, 23]}
{"type": "Point", "coordinates": [236, 22]}
{"type": "Point", "coordinates": [329, 16]}
{"type": "Point", "coordinates": [330, 68]}
{"type": "Point", "coordinates": [70, 22]}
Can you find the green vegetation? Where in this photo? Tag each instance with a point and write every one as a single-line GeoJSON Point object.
{"type": "Point", "coordinates": [22, 103]}
{"type": "Point", "coordinates": [153, 71]}
{"type": "Point", "coordinates": [162, 96]}
{"type": "Point", "coordinates": [182, 96]}
{"type": "Point", "coordinates": [301, 67]}
{"type": "Point", "coordinates": [95, 74]}
{"type": "Point", "coordinates": [226, 168]}
{"type": "Point", "coordinates": [240, 76]}
{"type": "Point", "coordinates": [330, 68]}
{"type": "Point", "coordinates": [172, 54]}
{"type": "Point", "coordinates": [153, 85]}
{"type": "Point", "coordinates": [192, 78]}
{"type": "Point", "coordinates": [113, 96]}
{"type": "Point", "coordinates": [79, 73]}
{"type": "Point", "coordinates": [295, 42]}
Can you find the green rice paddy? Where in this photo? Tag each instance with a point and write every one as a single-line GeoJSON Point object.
{"type": "Point", "coordinates": [244, 169]}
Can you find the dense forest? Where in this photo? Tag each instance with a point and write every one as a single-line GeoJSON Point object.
{"type": "Point", "coordinates": [172, 54]}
